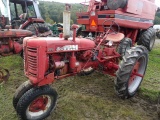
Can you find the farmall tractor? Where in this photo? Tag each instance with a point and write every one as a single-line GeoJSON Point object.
{"type": "Point", "coordinates": [135, 18]}
{"type": "Point", "coordinates": [24, 14]}
{"type": "Point", "coordinates": [53, 58]}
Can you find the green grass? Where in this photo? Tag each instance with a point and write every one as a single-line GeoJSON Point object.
{"type": "Point", "coordinates": [151, 84]}
{"type": "Point", "coordinates": [87, 97]}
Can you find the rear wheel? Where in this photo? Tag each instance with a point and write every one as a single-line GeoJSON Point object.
{"type": "Point", "coordinates": [147, 38]}
{"type": "Point", "coordinates": [39, 29]}
{"type": "Point", "coordinates": [131, 71]}
{"type": "Point", "coordinates": [115, 4]}
{"type": "Point", "coordinates": [124, 45]}
{"type": "Point", "coordinates": [37, 103]}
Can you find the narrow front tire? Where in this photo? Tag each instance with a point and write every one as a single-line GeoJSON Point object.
{"type": "Point", "coordinates": [37, 103]}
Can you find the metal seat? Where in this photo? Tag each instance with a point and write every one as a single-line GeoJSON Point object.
{"type": "Point", "coordinates": [115, 37]}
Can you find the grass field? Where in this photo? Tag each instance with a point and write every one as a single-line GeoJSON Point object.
{"type": "Point", "coordinates": [88, 97]}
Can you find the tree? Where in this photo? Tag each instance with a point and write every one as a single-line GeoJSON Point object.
{"type": "Point", "coordinates": [157, 20]}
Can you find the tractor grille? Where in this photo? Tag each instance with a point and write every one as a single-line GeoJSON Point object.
{"type": "Point", "coordinates": [32, 61]}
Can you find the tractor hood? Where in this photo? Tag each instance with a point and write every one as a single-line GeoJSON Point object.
{"type": "Point", "coordinates": [55, 44]}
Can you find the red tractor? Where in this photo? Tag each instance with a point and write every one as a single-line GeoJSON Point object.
{"type": "Point", "coordinates": [53, 58]}
{"type": "Point", "coordinates": [49, 59]}
{"type": "Point", "coordinates": [24, 14]}
{"type": "Point", "coordinates": [135, 18]}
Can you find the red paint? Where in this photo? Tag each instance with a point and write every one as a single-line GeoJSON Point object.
{"type": "Point", "coordinates": [11, 41]}
{"type": "Point", "coordinates": [17, 47]}
{"type": "Point", "coordinates": [43, 58]}
{"type": "Point", "coordinates": [135, 73]}
{"type": "Point", "coordinates": [38, 104]}
{"type": "Point", "coordinates": [72, 61]}
{"type": "Point", "coordinates": [74, 27]}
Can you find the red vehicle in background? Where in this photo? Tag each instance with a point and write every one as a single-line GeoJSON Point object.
{"type": "Point", "coordinates": [135, 18]}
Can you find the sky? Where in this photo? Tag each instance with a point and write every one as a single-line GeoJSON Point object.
{"type": "Point", "coordinates": [79, 1]}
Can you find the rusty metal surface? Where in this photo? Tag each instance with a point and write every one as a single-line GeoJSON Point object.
{"type": "Point", "coordinates": [4, 75]}
{"type": "Point", "coordinates": [5, 33]}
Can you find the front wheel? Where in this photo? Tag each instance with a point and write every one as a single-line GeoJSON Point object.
{"type": "Point", "coordinates": [37, 103]}
{"type": "Point", "coordinates": [24, 87]}
{"type": "Point", "coordinates": [131, 71]}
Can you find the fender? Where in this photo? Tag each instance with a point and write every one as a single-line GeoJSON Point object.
{"type": "Point", "coordinates": [31, 20]}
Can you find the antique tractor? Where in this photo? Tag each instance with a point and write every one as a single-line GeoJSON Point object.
{"type": "Point", "coordinates": [49, 59]}
{"type": "Point", "coordinates": [19, 19]}
{"type": "Point", "coordinates": [11, 41]}
{"type": "Point", "coordinates": [135, 17]}
{"type": "Point", "coordinates": [24, 14]}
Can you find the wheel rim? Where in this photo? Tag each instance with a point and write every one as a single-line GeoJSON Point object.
{"type": "Point", "coordinates": [137, 74]}
{"type": "Point", "coordinates": [39, 106]}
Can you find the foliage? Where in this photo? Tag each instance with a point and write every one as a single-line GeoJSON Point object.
{"type": "Point", "coordinates": [53, 11]}
{"type": "Point", "coordinates": [157, 20]}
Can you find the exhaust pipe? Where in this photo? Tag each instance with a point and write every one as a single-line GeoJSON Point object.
{"type": "Point", "coordinates": [66, 22]}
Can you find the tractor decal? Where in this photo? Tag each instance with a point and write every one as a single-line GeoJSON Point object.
{"type": "Point", "coordinates": [67, 47]}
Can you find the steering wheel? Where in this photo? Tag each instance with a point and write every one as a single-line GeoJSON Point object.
{"type": "Point", "coordinates": [110, 28]}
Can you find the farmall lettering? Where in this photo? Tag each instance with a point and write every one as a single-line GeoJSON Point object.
{"type": "Point", "coordinates": [67, 48]}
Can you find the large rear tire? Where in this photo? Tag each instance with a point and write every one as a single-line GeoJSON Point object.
{"type": "Point", "coordinates": [37, 103]}
{"type": "Point", "coordinates": [40, 29]}
{"type": "Point", "coordinates": [131, 71]}
{"type": "Point", "coordinates": [24, 87]}
{"type": "Point", "coordinates": [115, 4]}
{"type": "Point", "coordinates": [147, 38]}
{"type": "Point", "coordinates": [124, 45]}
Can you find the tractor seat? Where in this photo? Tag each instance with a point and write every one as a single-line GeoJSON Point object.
{"type": "Point", "coordinates": [115, 37]}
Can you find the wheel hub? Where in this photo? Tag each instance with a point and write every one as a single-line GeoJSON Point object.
{"type": "Point", "coordinates": [38, 104]}
{"type": "Point", "coordinates": [134, 73]}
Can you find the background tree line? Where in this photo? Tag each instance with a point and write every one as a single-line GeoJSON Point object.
{"type": "Point", "coordinates": [53, 12]}
{"type": "Point", "coordinates": [157, 19]}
